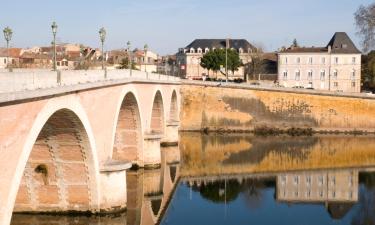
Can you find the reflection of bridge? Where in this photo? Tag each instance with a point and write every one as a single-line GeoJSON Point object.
{"type": "Point", "coordinates": [60, 133]}
{"type": "Point", "coordinates": [149, 192]}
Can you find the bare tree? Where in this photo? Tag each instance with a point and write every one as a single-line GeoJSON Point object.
{"type": "Point", "coordinates": [256, 66]}
{"type": "Point", "coordinates": [365, 23]}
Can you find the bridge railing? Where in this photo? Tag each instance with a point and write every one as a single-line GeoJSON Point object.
{"type": "Point", "coordinates": [24, 80]}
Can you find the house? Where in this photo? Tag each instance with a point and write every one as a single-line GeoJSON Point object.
{"type": "Point", "coordinates": [13, 55]}
{"type": "Point", "coordinates": [335, 67]}
{"type": "Point", "coordinates": [145, 60]}
{"type": "Point", "coordinates": [189, 58]}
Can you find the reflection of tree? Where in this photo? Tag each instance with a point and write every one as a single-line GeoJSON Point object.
{"type": "Point", "coordinates": [252, 190]}
{"type": "Point", "coordinates": [366, 211]}
{"type": "Point", "coordinates": [218, 191]}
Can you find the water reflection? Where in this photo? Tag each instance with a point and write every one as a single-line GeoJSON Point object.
{"type": "Point", "coordinates": [346, 196]}
{"type": "Point", "coordinates": [149, 192]}
{"type": "Point", "coordinates": [234, 179]}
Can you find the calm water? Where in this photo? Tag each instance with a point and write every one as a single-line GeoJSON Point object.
{"type": "Point", "coordinates": [249, 180]}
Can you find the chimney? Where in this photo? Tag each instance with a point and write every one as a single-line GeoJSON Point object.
{"type": "Point", "coordinates": [329, 49]}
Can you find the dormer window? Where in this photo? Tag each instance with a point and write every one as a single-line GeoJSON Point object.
{"type": "Point", "coordinates": [199, 50]}
{"type": "Point", "coordinates": [192, 50]}
{"type": "Point", "coordinates": [240, 50]}
{"type": "Point", "coordinates": [206, 50]}
{"type": "Point", "coordinates": [344, 46]}
{"type": "Point", "coordinates": [249, 50]}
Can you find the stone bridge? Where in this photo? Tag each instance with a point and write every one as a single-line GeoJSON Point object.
{"type": "Point", "coordinates": [67, 137]}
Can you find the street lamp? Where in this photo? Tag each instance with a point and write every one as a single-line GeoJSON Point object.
{"type": "Point", "coordinates": [8, 36]}
{"type": "Point", "coordinates": [129, 58]}
{"type": "Point", "coordinates": [145, 58]}
{"type": "Point", "coordinates": [54, 31]}
{"type": "Point", "coordinates": [102, 34]}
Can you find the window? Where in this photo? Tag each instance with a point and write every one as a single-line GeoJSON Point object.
{"type": "Point", "coordinates": [335, 84]}
{"type": "Point", "coordinates": [353, 84]}
{"type": "Point", "coordinates": [286, 60]}
{"type": "Point", "coordinates": [336, 60]}
{"type": "Point", "coordinates": [285, 75]}
{"type": "Point", "coordinates": [298, 60]}
{"type": "Point", "coordinates": [5, 61]}
{"type": "Point", "coordinates": [296, 180]}
{"type": "Point", "coordinates": [192, 50]}
{"type": "Point", "coordinates": [311, 60]}
{"type": "Point", "coordinates": [58, 63]}
{"type": "Point", "coordinates": [322, 75]}
{"type": "Point", "coordinates": [320, 180]}
{"type": "Point", "coordinates": [206, 50]}
{"type": "Point", "coordinates": [199, 50]}
{"type": "Point", "coordinates": [333, 181]}
{"type": "Point", "coordinates": [308, 180]}
{"type": "Point", "coordinates": [240, 50]}
{"type": "Point", "coordinates": [352, 75]}
{"type": "Point", "coordinates": [335, 74]}
{"type": "Point", "coordinates": [310, 75]}
{"type": "Point", "coordinates": [323, 60]}
{"type": "Point", "coordinates": [298, 75]}
{"type": "Point", "coordinates": [354, 60]}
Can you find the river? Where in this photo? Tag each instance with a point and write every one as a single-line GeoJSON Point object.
{"type": "Point", "coordinates": [244, 179]}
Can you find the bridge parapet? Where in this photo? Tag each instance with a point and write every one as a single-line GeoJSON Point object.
{"type": "Point", "coordinates": [28, 80]}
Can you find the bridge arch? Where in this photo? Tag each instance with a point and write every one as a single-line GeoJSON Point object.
{"type": "Point", "coordinates": [157, 114]}
{"type": "Point", "coordinates": [128, 137]}
{"type": "Point", "coordinates": [174, 111]}
{"type": "Point", "coordinates": [58, 168]}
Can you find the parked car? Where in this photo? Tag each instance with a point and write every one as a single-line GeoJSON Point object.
{"type": "Point", "coordinates": [254, 83]}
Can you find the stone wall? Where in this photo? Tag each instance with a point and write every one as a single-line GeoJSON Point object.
{"type": "Point", "coordinates": [240, 108]}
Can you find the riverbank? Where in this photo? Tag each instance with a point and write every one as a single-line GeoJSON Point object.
{"type": "Point", "coordinates": [227, 109]}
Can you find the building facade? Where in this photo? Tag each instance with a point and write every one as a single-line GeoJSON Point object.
{"type": "Point", "coordinates": [336, 67]}
{"type": "Point", "coordinates": [189, 58]}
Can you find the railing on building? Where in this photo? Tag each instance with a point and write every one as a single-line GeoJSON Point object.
{"type": "Point", "coordinates": [26, 80]}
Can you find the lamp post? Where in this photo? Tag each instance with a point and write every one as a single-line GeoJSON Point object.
{"type": "Point", "coordinates": [54, 31]}
{"type": "Point", "coordinates": [129, 57]}
{"type": "Point", "coordinates": [226, 59]}
{"type": "Point", "coordinates": [8, 36]}
{"type": "Point", "coordinates": [102, 34]}
{"type": "Point", "coordinates": [145, 58]}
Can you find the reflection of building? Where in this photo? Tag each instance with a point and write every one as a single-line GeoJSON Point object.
{"type": "Point", "coordinates": [189, 58]}
{"type": "Point", "coordinates": [318, 186]}
{"type": "Point", "coordinates": [336, 67]}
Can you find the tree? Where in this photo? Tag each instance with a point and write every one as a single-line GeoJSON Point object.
{"type": "Point", "coordinates": [124, 64]}
{"type": "Point", "coordinates": [256, 66]}
{"type": "Point", "coordinates": [365, 23]}
{"type": "Point", "coordinates": [214, 60]}
{"type": "Point", "coordinates": [295, 43]}
{"type": "Point", "coordinates": [368, 70]}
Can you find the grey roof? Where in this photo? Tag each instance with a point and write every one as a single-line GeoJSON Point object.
{"type": "Point", "coordinates": [220, 43]}
{"type": "Point", "coordinates": [342, 44]}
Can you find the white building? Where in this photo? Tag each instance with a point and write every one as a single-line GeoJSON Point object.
{"type": "Point", "coordinates": [336, 67]}
{"type": "Point", "coordinates": [189, 58]}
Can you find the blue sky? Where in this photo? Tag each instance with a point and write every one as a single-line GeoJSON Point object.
{"type": "Point", "coordinates": [166, 25]}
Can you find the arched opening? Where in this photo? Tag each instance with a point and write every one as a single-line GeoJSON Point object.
{"type": "Point", "coordinates": [57, 174]}
{"type": "Point", "coordinates": [128, 134]}
{"type": "Point", "coordinates": [157, 116]}
{"type": "Point", "coordinates": [174, 108]}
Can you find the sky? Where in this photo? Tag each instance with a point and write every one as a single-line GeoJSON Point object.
{"type": "Point", "coordinates": [166, 25]}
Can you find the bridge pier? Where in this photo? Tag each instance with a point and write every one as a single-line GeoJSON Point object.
{"type": "Point", "coordinates": [113, 186]}
{"type": "Point", "coordinates": [151, 150]}
{"type": "Point", "coordinates": [171, 134]}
